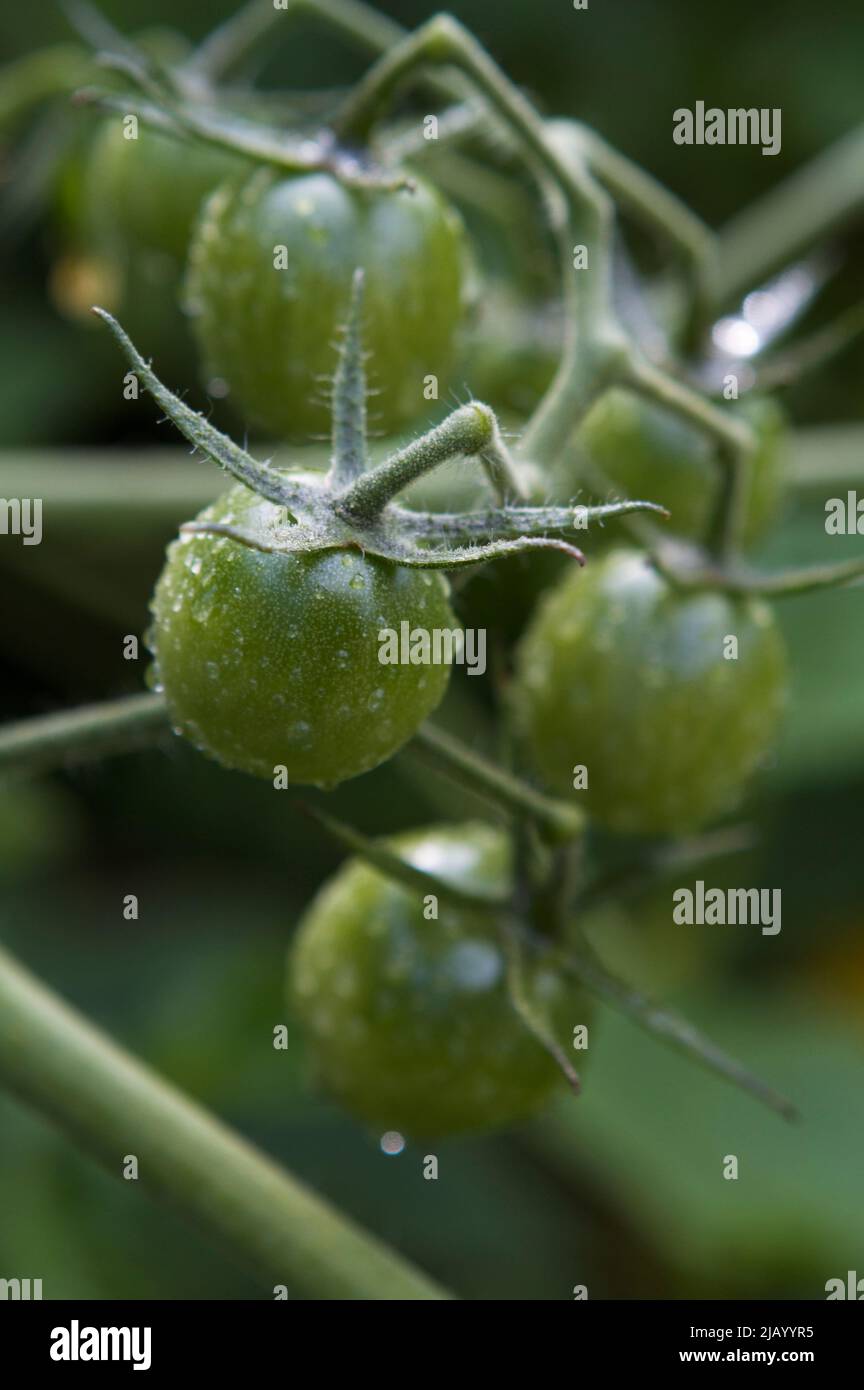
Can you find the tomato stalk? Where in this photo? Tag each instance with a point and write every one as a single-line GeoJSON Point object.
{"type": "Point", "coordinates": [733, 442]}
{"type": "Point", "coordinates": [81, 735]}
{"type": "Point", "coordinates": [687, 571]}
{"type": "Point", "coordinates": [582, 210]}
{"type": "Point", "coordinates": [557, 821]}
{"type": "Point", "coordinates": [233, 40]}
{"type": "Point", "coordinates": [111, 1104]}
{"type": "Point", "coordinates": [532, 1015]}
{"type": "Point", "coordinates": [379, 854]}
{"type": "Point", "coordinates": [596, 353]}
{"type": "Point", "coordinates": [586, 966]}
{"type": "Point", "coordinates": [804, 208]}
{"type": "Point", "coordinates": [349, 397]}
{"type": "Point", "coordinates": [471, 429]}
{"type": "Point", "coordinates": [656, 207]}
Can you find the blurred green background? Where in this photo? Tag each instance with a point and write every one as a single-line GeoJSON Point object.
{"type": "Point", "coordinates": [623, 1190]}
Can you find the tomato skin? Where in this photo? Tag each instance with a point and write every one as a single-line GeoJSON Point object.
{"type": "Point", "coordinates": [269, 333]}
{"type": "Point", "coordinates": [272, 660]}
{"type": "Point", "coordinates": [144, 195]}
{"type": "Point", "coordinates": [649, 453]}
{"type": "Point", "coordinates": [125, 210]}
{"type": "Point", "coordinates": [620, 673]}
{"type": "Point", "coordinates": [409, 1022]}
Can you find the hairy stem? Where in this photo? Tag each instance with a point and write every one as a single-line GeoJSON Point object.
{"type": "Point", "coordinates": [349, 396]}
{"type": "Point", "coordinates": [201, 434]}
{"type": "Point", "coordinates": [469, 430]}
{"type": "Point", "coordinates": [516, 520]}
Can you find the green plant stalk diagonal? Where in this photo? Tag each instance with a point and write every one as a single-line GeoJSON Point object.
{"type": "Point", "coordinates": [112, 1105]}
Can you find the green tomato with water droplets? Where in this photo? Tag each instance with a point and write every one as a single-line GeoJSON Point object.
{"type": "Point", "coordinates": [270, 270]}
{"type": "Point", "coordinates": [646, 451]}
{"type": "Point", "coordinates": [406, 1009]}
{"type": "Point", "coordinates": [272, 660]}
{"type": "Point", "coordinates": [669, 699]}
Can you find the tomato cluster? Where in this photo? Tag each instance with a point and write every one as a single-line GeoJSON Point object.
{"type": "Point", "coordinates": [663, 696]}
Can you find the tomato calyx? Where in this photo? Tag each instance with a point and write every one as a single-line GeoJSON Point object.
{"type": "Point", "coordinates": [352, 506]}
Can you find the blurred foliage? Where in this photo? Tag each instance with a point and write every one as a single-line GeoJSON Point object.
{"type": "Point", "coordinates": [622, 1191]}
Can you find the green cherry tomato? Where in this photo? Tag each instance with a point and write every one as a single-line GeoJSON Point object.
{"type": "Point", "coordinates": [270, 273]}
{"type": "Point", "coordinates": [647, 452]}
{"type": "Point", "coordinates": [144, 194]}
{"type": "Point", "coordinates": [124, 213]}
{"type": "Point", "coordinates": [638, 683]}
{"type": "Point", "coordinates": [272, 660]}
{"type": "Point", "coordinates": [408, 1016]}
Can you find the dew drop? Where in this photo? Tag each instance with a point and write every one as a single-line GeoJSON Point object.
{"type": "Point", "coordinates": [392, 1143]}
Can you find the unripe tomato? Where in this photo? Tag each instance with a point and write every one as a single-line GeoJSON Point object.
{"type": "Point", "coordinates": [648, 452]}
{"type": "Point", "coordinates": [144, 194]}
{"type": "Point", "coordinates": [408, 1017]}
{"type": "Point", "coordinates": [125, 210]}
{"type": "Point", "coordinates": [621, 674]}
{"type": "Point", "coordinates": [270, 274]}
{"type": "Point", "coordinates": [271, 660]}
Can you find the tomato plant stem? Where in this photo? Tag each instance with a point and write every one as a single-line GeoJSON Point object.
{"type": "Point", "coordinates": [798, 212]}
{"type": "Point", "coordinates": [783, 584]}
{"type": "Point", "coordinates": [581, 211]}
{"type": "Point", "coordinates": [558, 821]}
{"type": "Point", "coordinates": [349, 396]}
{"type": "Point", "coordinates": [584, 963]}
{"type": "Point", "coordinates": [392, 865]}
{"type": "Point", "coordinates": [114, 1107]}
{"type": "Point", "coordinates": [658, 209]}
{"type": "Point", "coordinates": [232, 41]}
{"type": "Point", "coordinates": [733, 439]}
{"type": "Point", "coordinates": [82, 735]}
{"type": "Point", "coordinates": [469, 430]}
